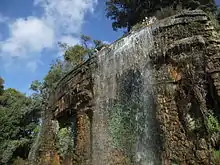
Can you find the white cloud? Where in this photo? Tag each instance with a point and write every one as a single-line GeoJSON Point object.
{"type": "Point", "coordinates": [27, 36]}
{"type": "Point", "coordinates": [61, 20]}
{"type": "Point", "coordinates": [66, 15]}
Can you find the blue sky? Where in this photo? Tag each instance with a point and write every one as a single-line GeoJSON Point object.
{"type": "Point", "coordinates": [30, 30]}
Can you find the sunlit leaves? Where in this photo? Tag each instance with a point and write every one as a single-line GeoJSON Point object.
{"type": "Point", "coordinates": [75, 54]}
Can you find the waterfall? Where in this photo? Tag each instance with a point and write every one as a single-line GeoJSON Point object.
{"type": "Point", "coordinates": [122, 87]}
{"type": "Point", "coordinates": [33, 151]}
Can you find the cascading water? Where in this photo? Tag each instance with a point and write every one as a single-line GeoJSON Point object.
{"type": "Point", "coordinates": [124, 118]}
{"type": "Point", "coordinates": [34, 148]}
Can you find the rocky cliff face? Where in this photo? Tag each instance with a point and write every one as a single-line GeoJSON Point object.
{"type": "Point", "coordinates": [143, 100]}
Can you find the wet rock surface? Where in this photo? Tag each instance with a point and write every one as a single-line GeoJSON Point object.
{"type": "Point", "coordinates": [178, 63]}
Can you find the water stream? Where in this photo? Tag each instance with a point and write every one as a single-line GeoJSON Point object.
{"type": "Point", "coordinates": [124, 118]}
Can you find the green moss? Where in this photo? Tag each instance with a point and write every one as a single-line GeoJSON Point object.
{"type": "Point", "coordinates": [65, 142]}
{"type": "Point", "coordinates": [217, 156]}
{"type": "Point", "coordinates": [121, 127]}
{"type": "Point", "coordinates": [126, 125]}
{"type": "Point", "coordinates": [212, 124]}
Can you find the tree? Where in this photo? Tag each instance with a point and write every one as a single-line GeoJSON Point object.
{"type": "Point", "coordinates": [79, 53]}
{"type": "Point", "coordinates": [18, 119]}
{"type": "Point", "coordinates": [55, 73]}
{"type": "Point", "coordinates": [75, 54]}
{"type": "Point", "coordinates": [127, 13]}
{"type": "Point", "coordinates": [85, 41]}
{"type": "Point", "coordinates": [1, 85]}
{"type": "Point", "coordinates": [35, 86]}
{"type": "Point", "coordinates": [206, 5]}
{"type": "Point", "coordinates": [98, 44]}
{"type": "Point", "coordinates": [124, 13]}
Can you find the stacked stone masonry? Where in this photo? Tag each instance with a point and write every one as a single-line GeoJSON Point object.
{"type": "Point", "coordinates": [186, 51]}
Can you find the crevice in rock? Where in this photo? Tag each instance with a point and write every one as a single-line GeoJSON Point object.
{"type": "Point", "coordinates": [213, 102]}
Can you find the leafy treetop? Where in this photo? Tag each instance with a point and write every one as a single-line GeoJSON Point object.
{"type": "Point", "coordinates": [127, 13]}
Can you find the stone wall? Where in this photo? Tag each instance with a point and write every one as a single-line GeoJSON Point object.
{"type": "Point", "coordinates": [183, 58]}
{"type": "Point", "coordinates": [73, 97]}
{"type": "Point", "coordinates": [183, 78]}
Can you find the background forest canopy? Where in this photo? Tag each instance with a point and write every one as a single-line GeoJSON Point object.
{"type": "Point", "coordinates": [20, 114]}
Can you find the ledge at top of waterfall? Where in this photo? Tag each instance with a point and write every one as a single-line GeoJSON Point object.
{"type": "Point", "coordinates": [185, 16]}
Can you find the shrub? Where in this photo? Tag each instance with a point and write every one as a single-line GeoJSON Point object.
{"type": "Point", "coordinates": [212, 124]}
{"type": "Point", "coordinates": [65, 142]}
{"type": "Point", "coordinates": [119, 127]}
{"type": "Point", "coordinates": [122, 128]}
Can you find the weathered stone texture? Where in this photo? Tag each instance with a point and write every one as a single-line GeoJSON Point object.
{"type": "Point", "coordinates": [75, 90]}
{"type": "Point", "coordinates": [184, 62]}
{"type": "Point", "coordinates": [83, 137]}
{"type": "Point", "coordinates": [47, 153]}
{"type": "Point", "coordinates": [180, 76]}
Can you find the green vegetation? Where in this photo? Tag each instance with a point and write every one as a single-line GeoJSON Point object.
{"type": "Point", "coordinates": [65, 142]}
{"type": "Point", "coordinates": [137, 26]}
{"type": "Point", "coordinates": [73, 56]}
{"type": "Point", "coordinates": [212, 124]}
{"type": "Point", "coordinates": [77, 54]}
{"type": "Point", "coordinates": [121, 127]}
{"type": "Point", "coordinates": [19, 117]}
{"type": "Point", "coordinates": [55, 73]}
{"type": "Point", "coordinates": [1, 86]}
{"type": "Point", "coordinates": [217, 156]}
{"type": "Point", "coordinates": [127, 13]}
{"type": "Point", "coordinates": [126, 124]}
